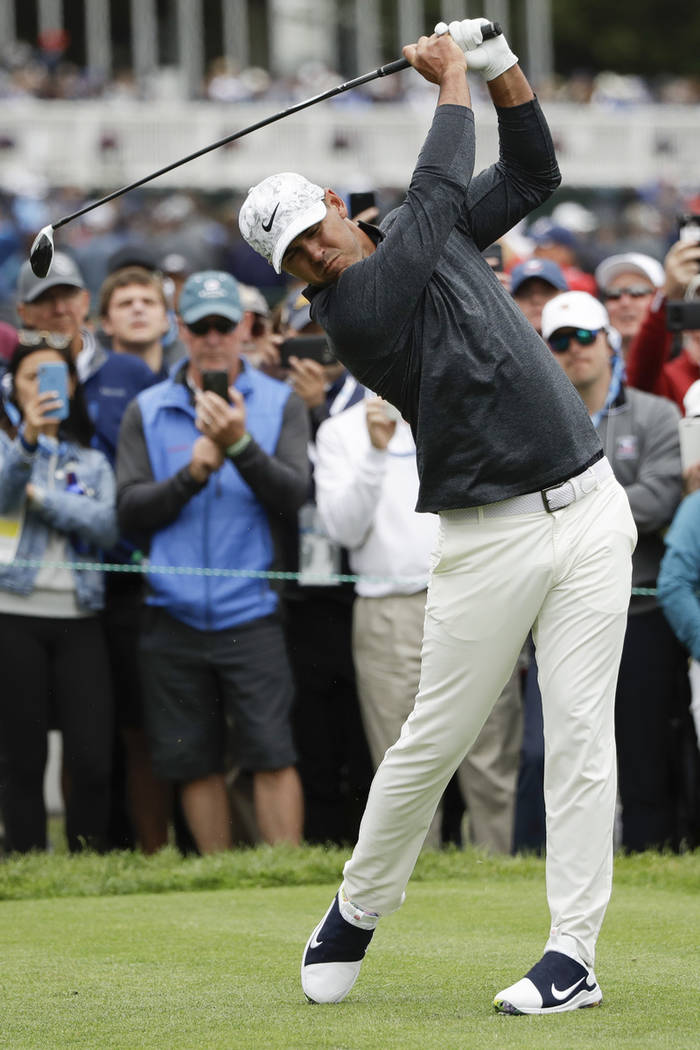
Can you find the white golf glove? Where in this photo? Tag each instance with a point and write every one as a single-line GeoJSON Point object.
{"type": "Point", "coordinates": [491, 57]}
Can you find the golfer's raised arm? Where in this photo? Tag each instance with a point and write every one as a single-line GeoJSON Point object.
{"type": "Point", "coordinates": [439, 60]}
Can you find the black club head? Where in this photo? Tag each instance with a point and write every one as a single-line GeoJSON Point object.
{"type": "Point", "coordinates": [41, 254]}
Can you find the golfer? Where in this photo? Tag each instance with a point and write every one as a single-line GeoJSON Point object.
{"type": "Point", "coordinates": [535, 532]}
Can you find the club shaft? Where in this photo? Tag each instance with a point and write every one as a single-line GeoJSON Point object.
{"type": "Point", "coordinates": [375, 74]}
{"type": "Point", "coordinates": [382, 71]}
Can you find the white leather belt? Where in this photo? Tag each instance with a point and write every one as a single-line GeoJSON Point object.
{"type": "Point", "coordinates": [549, 500]}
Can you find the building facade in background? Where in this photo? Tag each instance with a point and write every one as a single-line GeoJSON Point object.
{"type": "Point", "coordinates": [351, 36]}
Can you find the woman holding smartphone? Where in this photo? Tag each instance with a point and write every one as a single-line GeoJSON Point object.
{"type": "Point", "coordinates": [57, 507]}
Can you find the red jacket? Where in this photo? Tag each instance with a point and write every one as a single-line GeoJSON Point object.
{"type": "Point", "coordinates": [647, 364]}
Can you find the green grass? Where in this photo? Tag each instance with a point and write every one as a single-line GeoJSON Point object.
{"type": "Point", "coordinates": [203, 954]}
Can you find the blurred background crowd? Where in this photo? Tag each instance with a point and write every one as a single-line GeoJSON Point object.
{"type": "Point", "coordinates": [25, 73]}
{"type": "Point", "coordinates": [57, 59]}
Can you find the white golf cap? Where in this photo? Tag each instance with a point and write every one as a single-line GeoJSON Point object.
{"type": "Point", "coordinates": [573, 310]}
{"type": "Point", "coordinates": [277, 210]}
{"type": "Point", "coordinates": [629, 262]}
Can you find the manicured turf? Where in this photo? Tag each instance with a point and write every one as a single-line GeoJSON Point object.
{"type": "Point", "coordinates": [211, 969]}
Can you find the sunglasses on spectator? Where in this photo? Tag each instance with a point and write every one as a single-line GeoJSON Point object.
{"type": "Point", "coordinates": [561, 341]}
{"type": "Point", "coordinates": [635, 291]}
{"type": "Point", "coordinates": [53, 340]}
{"type": "Point", "coordinates": [222, 325]}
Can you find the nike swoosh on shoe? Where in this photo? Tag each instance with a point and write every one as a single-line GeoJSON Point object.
{"type": "Point", "coordinates": [568, 993]}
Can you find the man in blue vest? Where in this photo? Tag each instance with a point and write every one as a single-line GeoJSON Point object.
{"type": "Point", "coordinates": [211, 478]}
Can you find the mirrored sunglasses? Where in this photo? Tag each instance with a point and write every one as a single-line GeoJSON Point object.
{"type": "Point", "coordinates": [635, 291]}
{"type": "Point", "coordinates": [560, 341]}
{"type": "Point", "coordinates": [220, 324]}
{"type": "Point", "coordinates": [54, 340]}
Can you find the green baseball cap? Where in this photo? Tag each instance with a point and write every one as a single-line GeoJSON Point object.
{"type": "Point", "coordinates": [210, 293]}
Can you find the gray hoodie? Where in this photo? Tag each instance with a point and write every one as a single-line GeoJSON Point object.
{"type": "Point", "coordinates": [640, 438]}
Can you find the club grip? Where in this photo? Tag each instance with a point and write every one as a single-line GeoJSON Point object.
{"type": "Point", "coordinates": [488, 32]}
{"type": "Point", "coordinates": [491, 30]}
{"type": "Point", "coordinates": [393, 67]}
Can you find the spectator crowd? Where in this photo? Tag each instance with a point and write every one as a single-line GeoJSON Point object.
{"type": "Point", "coordinates": [251, 649]}
{"type": "Point", "coordinates": [45, 72]}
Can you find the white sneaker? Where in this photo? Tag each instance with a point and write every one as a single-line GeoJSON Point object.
{"type": "Point", "coordinates": [334, 952]}
{"type": "Point", "coordinates": [555, 984]}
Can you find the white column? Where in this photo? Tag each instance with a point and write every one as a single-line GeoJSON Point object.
{"type": "Point", "coordinates": [298, 33]}
{"type": "Point", "coordinates": [455, 9]}
{"type": "Point", "coordinates": [190, 35]}
{"type": "Point", "coordinates": [144, 37]}
{"type": "Point", "coordinates": [8, 22]}
{"type": "Point", "coordinates": [98, 37]}
{"type": "Point", "coordinates": [410, 21]}
{"type": "Point", "coordinates": [49, 15]}
{"type": "Point", "coordinates": [368, 49]}
{"type": "Point", "coordinates": [236, 32]}
{"type": "Point", "coordinates": [498, 12]}
{"type": "Point", "coordinates": [538, 35]}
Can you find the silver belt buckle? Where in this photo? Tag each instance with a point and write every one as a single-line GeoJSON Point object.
{"type": "Point", "coordinates": [544, 493]}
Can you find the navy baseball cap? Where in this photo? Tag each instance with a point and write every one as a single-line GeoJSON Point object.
{"type": "Point", "coordinates": [544, 231]}
{"type": "Point", "coordinates": [133, 253]}
{"type": "Point", "coordinates": [210, 293]}
{"type": "Point", "coordinates": [544, 269]}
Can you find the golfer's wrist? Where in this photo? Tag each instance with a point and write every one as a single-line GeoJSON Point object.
{"type": "Point", "coordinates": [454, 89]}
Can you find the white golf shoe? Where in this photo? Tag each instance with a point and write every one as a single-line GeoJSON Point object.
{"type": "Point", "coordinates": [555, 984]}
{"type": "Point", "coordinates": [334, 952]}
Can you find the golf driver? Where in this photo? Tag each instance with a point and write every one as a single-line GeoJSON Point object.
{"type": "Point", "coordinates": [41, 254]}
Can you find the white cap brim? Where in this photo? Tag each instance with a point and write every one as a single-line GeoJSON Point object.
{"type": "Point", "coordinates": [309, 217]}
{"type": "Point", "coordinates": [629, 262]}
{"type": "Point", "coordinates": [573, 310]}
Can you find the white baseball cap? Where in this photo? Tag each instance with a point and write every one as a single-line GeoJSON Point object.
{"type": "Point", "coordinates": [629, 262]}
{"type": "Point", "coordinates": [573, 310]}
{"type": "Point", "coordinates": [277, 210]}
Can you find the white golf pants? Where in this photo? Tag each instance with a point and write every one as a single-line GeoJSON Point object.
{"type": "Point", "coordinates": [566, 575]}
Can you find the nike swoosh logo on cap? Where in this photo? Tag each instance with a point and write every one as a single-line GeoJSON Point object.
{"type": "Point", "coordinates": [267, 226]}
{"type": "Point", "coordinates": [567, 992]}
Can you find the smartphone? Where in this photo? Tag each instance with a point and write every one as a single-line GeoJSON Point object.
{"type": "Point", "coordinates": [53, 375]}
{"type": "Point", "coordinates": [217, 381]}
{"type": "Point", "coordinates": [314, 347]}
{"type": "Point", "coordinates": [683, 315]}
{"type": "Point", "coordinates": [358, 202]}
{"type": "Point", "coordinates": [689, 229]}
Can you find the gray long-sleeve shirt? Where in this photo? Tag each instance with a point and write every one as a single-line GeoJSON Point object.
{"type": "Point", "coordinates": [424, 322]}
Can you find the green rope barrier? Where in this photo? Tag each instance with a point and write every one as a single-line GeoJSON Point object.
{"type": "Point", "coordinates": [251, 574]}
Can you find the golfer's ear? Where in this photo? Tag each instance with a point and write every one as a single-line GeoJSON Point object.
{"type": "Point", "coordinates": [334, 201]}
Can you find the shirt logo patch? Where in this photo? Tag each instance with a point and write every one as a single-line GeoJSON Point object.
{"type": "Point", "coordinates": [626, 447]}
